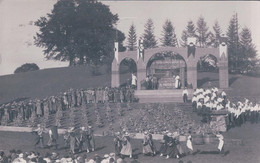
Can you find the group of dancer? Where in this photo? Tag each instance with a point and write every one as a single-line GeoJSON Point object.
{"type": "Point", "coordinates": [170, 147]}
{"type": "Point", "coordinates": [24, 110]}
{"type": "Point", "coordinates": [75, 139]}
{"type": "Point", "coordinates": [206, 100]}
{"type": "Point", "coordinates": [242, 112]}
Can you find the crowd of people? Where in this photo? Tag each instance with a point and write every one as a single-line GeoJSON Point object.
{"type": "Point", "coordinates": [25, 109]}
{"type": "Point", "coordinates": [18, 156]}
{"type": "Point", "coordinates": [151, 82]}
{"type": "Point", "coordinates": [206, 100]}
{"type": "Point", "coordinates": [242, 112]}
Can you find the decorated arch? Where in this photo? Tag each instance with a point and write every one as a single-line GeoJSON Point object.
{"type": "Point", "coordinates": [190, 54]}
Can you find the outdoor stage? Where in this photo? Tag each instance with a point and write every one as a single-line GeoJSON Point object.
{"type": "Point", "coordinates": [165, 95]}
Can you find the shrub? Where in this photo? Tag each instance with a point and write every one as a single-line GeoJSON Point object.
{"type": "Point", "coordinates": [27, 67]}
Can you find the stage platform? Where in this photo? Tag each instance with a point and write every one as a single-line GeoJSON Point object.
{"type": "Point", "coordinates": [165, 95]}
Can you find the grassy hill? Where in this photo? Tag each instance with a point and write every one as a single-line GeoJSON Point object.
{"type": "Point", "coordinates": [48, 82]}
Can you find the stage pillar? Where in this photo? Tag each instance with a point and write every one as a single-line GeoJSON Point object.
{"type": "Point", "coordinates": [182, 76]}
{"type": "Point", "coordinates": [141, 74]}
{"type": "Point", "coordinates": [192, 76]}
{"type": "Point", "coordinates": [223, 75]}
{"type": "Point", "coordinates": [191, 62]}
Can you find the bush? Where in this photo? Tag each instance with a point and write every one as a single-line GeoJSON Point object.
{"type": "Point", "coordinates": [27, 67]}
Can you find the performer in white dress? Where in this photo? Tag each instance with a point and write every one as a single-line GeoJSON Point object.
{"type": "Point", "coordinates": [177, 82]}
{"type": "Point", "coordinates": [134, 81]}
{"type": "Point", "coordinates": [189, 143]}
{"type": "Point", "coordinates": [221, 143]}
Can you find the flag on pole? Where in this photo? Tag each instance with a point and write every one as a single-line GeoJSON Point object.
{"type": "Point", "coordinates": [140, 50]}
{"type": "Point", "coordinates": [191, 46]}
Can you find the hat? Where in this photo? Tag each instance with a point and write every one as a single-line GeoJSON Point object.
{"type": "Point", "coordinates": [106, 156]}
{"type": "Point", "coordinates": [126, 134]}
{"type": "Point", "coordinates": [145, 132]}
{"type": "Point", "coordinates": [112, 154]}
{"type": "Point", "coordinates": [69, 159]}
{"type": "Point", "coordinates": [169, 134]}
{"type": "Point", "coordinates": [71, 129]}
{"type": "Point", "coordinates": [83, 128]}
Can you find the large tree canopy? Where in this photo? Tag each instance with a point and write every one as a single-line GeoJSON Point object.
{"type": "Point", "coordinates": [78, 31]}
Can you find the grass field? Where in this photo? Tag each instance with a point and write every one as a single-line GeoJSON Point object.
{"type": "Point", "coordinates": [53, 81]}
{"type": "Point", "coordinates": [48, 82]}
{"type": "Point", "coordinates": [236, 152]}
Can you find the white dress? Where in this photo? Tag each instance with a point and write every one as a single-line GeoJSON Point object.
{"type": "Point", "coordinates": [134, 79]}
{"type": "Point", "coordinates": [177, 81]}
{"type": "Point", "coordinates": [189, 143]}
{"type": "Point", "coordinates": [221, 144]}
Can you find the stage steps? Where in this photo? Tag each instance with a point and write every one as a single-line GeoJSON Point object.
{"type": "Point", "coordinates": [155, 96]}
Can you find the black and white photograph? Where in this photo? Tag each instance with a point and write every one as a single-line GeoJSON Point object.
{"type": "Point", "coordinates": [115, 81]}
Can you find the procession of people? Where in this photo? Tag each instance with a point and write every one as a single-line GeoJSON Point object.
{"type": "Point", "coordinates": [204, 101]}
{"type": "Point", "coordinates": [24, 110]}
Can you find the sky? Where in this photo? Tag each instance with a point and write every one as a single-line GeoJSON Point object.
{"type": "Point", "coordinates": [17, 29]}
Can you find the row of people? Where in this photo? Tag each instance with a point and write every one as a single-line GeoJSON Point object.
{"type": "Point", "coordinates": [170, 145]}
{"type": "Point", "coordinates": [242, 112]}
{"type": "Point", "coordinates": [206, 100]}
{"type": "Point", "coordinates": [18, 156]}
{"type": "Point", "coordinates": [71, 98]}
{"type": "Point", "coordinates": [81, 139]}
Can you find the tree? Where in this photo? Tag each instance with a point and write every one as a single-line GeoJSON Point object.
{"type": "Point", "coordinates": [216, 35]}
{"type": "Point", "coordinates": [202, 32]}
{"type": "Point", "coordinates": [233, 43]}
{"type": "Point", "coordinates": [248, 50]}
{"type": "Point", "coordinates": [190, 31]}
{"type": "Point", "coordinates": [80, 30]}
{"type": "Point", "coordinates": [148, 36]}
{"type": "Point", "coordinates": [131, 38]}
{"type": "Point", "coordinates": [27, 67]}
{"type": "Point", "coordinates": [168, 35]}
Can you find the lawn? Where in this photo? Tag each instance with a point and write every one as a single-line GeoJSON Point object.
{"type": "Point", "coordinates": [236, 152]}
{"type": "Point", "coordinates": [48, 82]}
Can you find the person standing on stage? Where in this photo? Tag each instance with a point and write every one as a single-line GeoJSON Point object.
{"type": "Point", "coordinates": [177, 82]}
{"type": "Point", "coordinates": [185, 94]}
{"type": "Point", "coordinates": [134, 81]}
